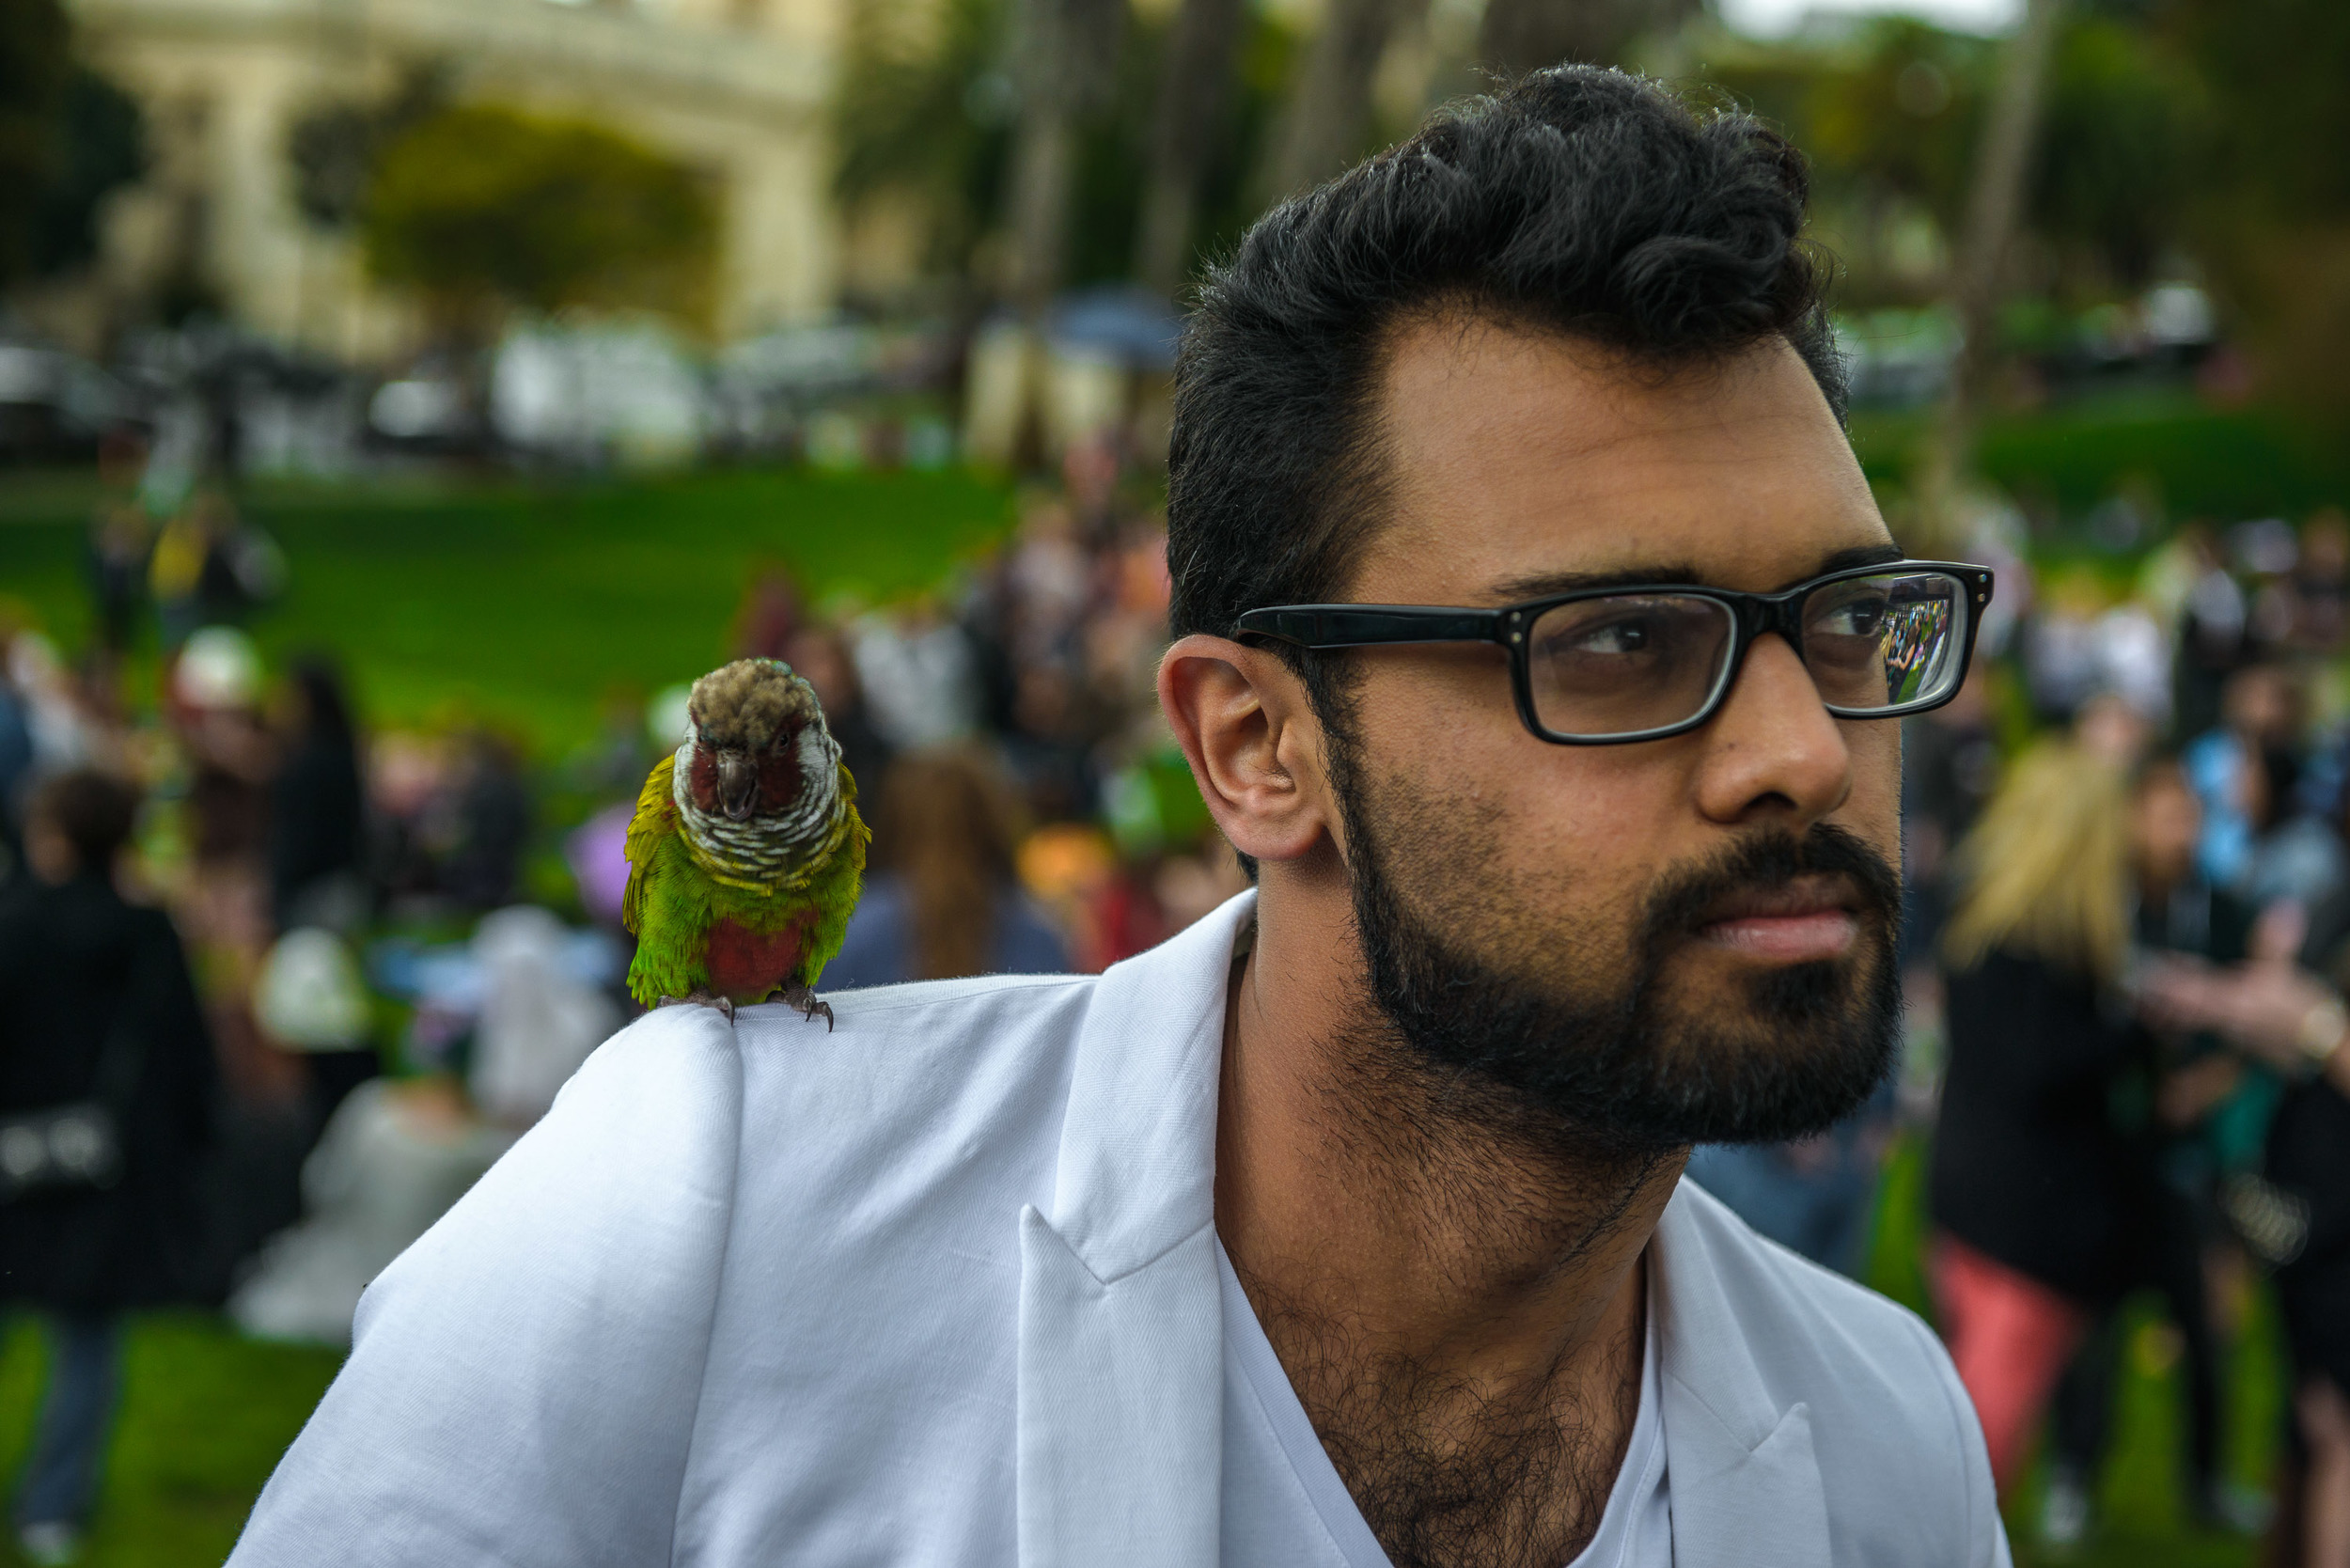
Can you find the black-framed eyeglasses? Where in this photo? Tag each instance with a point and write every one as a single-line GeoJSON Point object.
{"type": "Point", "coordinates": [1604, 667]}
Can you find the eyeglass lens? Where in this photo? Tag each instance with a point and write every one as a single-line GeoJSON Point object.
{"type": "Point", "coordinates": [1634, 662]}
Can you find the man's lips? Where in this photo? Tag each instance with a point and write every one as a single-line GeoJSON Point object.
{"type": "Point", "coordinates": [1810, 919]}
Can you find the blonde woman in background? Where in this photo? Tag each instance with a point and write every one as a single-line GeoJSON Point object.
{"type": "Point", "coordinates": [2036, 1196]}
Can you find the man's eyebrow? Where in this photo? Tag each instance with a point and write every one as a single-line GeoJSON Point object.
{"type": "Point", "coordinates": [1863, 555]}
{"type": "Point", "coordinates": [1541, 585]}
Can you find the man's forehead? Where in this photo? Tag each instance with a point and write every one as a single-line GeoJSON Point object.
{"type": "Point", "coordinates": [1525, 461]}
{"type": "Point", "coordinates": [1651, 570]}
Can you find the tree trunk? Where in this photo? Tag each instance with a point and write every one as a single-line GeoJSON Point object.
{"type": "Point", "coordinates": [1199, 61]}
{"type": "Point", "coordinates": [1993, 210]}
{"type": "Point", "coordinates": [1519, 36]}
{"type": "Point", "coordinates": [1039, 206]}
{"type": "Point", "coordinates": [1065, 52]}
{"type": "Point", "coordinates": [1328, 121]}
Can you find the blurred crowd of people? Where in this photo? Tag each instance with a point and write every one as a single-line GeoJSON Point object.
{"type": "Point", "coordinates": [1029, 811]}
{"type": "Point", "coordinates": [2128, 937]}
{"type": "Point", "coordinates": [219, 926]}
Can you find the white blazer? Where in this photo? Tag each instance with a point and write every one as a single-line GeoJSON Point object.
{"type": "Point", "coordinates": [939, 1286]}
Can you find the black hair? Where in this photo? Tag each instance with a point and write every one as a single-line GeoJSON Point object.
{"type": "Point", "coordinates": [1580, 200]}
{"type": "Point", "coordinates": [93, 811]}
{"type": "Point", "coordinates": [327, 711]}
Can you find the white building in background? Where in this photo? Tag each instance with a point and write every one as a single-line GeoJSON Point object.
{"type": "Point", "coordinates": [740, 89]}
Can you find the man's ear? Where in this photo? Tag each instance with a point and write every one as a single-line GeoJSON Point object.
{"type": "Point", "coordinates": [1241, 718]}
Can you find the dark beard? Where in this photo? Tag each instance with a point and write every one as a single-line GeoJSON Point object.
{"type": "Point", "coordinates": [1520, 1078]}
{"type": "Point", "coordinates": [1606, 1067]}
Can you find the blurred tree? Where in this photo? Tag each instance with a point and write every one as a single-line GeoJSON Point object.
{"type": "Point", "coordinates": [2120, 155]}
{"type": "Point", "coordinates": [1893, 122]}
{"type": "Point", "coordinates": [104, 149]}
{"type": "Point", "coordinates": [1064, 57]}
{"type": "Point", "coordinates": [334, 148]}
{"type": "Point", "coordinates": [1994, 206]}
{"type": "Point", "coordinates": [480, 207]}
{"type": "Point", "coordinates": [1899, 123]}
{"type": "Point", "coordinates": [924, 112]}
{"type": "Point", "coordinates": [925, 115]}
{"type": "Point", "coordinates": [2273, 223]}
{"type": "Point", "coordinates": [34, 64]}
{"type": "Point", "coordinates": [1201, 60]}
{"type": "Point", "coordinates": [1517, 35]}
{"type": "Point", "coordinates": [67, 137]}
{"type": "Point", "coordinates": [1328, 122]}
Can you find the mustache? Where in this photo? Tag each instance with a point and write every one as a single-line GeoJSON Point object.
{"type": "Point", "coordinates": [1681, 896]}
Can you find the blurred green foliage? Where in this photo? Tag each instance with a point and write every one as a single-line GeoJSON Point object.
{"type": "Point", "coordinates": [2121, 144]}
{"type": "Point", "coordinates": [2272, 214]}
{"type": "Point", "coordinates": [924, 112]}
{"type": "Point", "coordinates": [2193, 460]}
{"type": "Point", "coordinates": [334, 149]}
{"type": "Point", "coordinates": [67, 136]}
{"type": "Point", "coordinates": [924, 117]}
{"type": "Point", "coordinates": [479, 205]}
{"type": "Point", "coordinates": [1889, 119]}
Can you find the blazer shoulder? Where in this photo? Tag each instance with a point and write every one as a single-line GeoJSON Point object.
{"type": "Point", "coordinates": [1802, 1321]}
{"type": "Point", "coordinates": [523, 1380]}
{"type": "Point", "coordinates": [1895, 1435]}
{"type": "Point", "coordinates": [900, 1063]}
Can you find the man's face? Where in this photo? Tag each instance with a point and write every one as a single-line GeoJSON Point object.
{"type": "Point", "coordinates": [1670, 941]}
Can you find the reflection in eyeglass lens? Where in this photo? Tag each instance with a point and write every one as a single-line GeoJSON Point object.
{"type": "Point", "coordinates": [1880, 642]}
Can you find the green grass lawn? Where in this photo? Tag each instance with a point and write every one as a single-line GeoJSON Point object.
{"type": "Point", "coordinates": [524, 604]}
{"type": "Point", "coordinates": [204, 1417]}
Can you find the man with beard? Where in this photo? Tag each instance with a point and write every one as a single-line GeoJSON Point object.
{"type": "Point", "coordinates": [1536, 641]}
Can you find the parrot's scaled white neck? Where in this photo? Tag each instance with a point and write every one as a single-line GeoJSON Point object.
{"type": "Point", "coordinates": [763, 854]}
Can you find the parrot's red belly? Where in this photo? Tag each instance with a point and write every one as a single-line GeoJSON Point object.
{"type": "Point", "coordinates": [746, 965]}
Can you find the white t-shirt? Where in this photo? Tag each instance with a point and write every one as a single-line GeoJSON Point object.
{"type": "Point", "coordinates": [1284, 1503]}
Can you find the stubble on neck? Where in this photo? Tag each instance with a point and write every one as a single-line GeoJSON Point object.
{"type": "Point", "coordinates": [1450, 1279]}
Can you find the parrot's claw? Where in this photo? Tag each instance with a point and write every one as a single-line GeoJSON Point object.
{"type": "Point", "coordinates": [809, 1004]}
{"type": "Point", "coordinates": [703, 999]}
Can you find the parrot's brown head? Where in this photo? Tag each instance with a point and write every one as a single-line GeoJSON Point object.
{"type": "Point", "coordinates": [757, 742]}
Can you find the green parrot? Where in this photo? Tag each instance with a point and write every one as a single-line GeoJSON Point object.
{"type": "Point", "coordinates": [746, 851]}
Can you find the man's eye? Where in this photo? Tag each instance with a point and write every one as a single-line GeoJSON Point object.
{"type": "Point", "coordinates": [1858, 618]}
{"type": "Point", "coordinates": [1614, 638]}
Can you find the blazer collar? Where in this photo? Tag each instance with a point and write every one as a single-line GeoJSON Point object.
{"type": "Point", "coordinates": [1121, 1415]}
{"type": "Point", "coordinates": [1120, 1373]}
{"type": "Point", "coordinates": [1137, 1172]}
{"type": "Point", "coordinates": [1745, 1484]}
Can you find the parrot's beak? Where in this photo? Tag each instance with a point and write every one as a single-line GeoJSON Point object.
{"type": "Point", "coordinates": [738, 785]}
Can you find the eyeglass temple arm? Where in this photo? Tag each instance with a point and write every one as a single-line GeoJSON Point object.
{"type": "Point", "coordinates": [1364, 625]}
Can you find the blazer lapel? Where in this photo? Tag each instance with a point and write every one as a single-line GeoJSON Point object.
{"type": "Point", "coordinates": [1121, 1348]}
{"type": "Point", "coordinates": [1760, 1507]}
{"type": "Point", "coordinates": [1745, 1484]}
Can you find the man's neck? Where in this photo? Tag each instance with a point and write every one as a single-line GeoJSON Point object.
{"type": "Point", "coordinates": [1452, 1288]}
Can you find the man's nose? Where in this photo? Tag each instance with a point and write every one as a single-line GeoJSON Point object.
{"type": "Point", "coordinates": [1774, 748]}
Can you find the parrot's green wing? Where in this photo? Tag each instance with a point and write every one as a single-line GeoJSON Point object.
{"type": "Point", "coordinates": [667, 902]}
{"type": "Point", "coordinates": [655, 820]}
